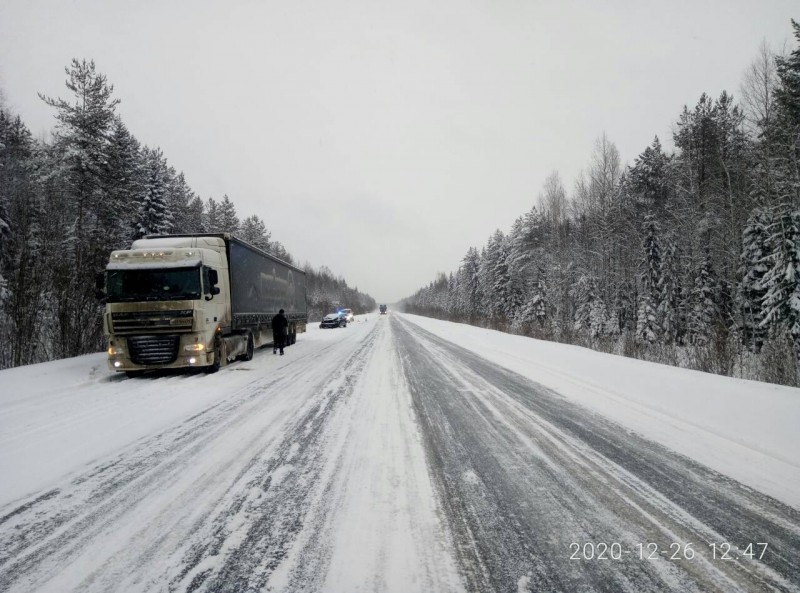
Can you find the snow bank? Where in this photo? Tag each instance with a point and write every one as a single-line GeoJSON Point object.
{"type": "Point", "coordinates": [58, 417]}
{"type": "Point", "coordinates": [747, 430]}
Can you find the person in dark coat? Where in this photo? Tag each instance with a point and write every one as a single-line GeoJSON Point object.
{"type": "Point", "coordinates": [280, 327]}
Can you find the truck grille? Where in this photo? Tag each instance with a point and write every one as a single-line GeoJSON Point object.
{"type": "Point", "coordinates": [153, 349]}
{"type": "Point", "coordinates": [135, 322]}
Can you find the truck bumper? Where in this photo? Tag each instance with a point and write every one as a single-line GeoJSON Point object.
{"type": "Point", "coordinates": [135, 353]}
{"type": "Point", "coordinates": [123, 363]}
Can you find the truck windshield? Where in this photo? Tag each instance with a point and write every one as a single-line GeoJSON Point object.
{"type": "Point", "coordinates": [153, 285]}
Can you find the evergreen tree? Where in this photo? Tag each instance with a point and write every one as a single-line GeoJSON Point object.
{"type": "Point", "coordinates": [519, 259]}
{"type": "Point", "coordinates": [194, 220]}
{"type": "Point", "coordinates": [82, 137]}
{"type": "Point", "coordinates": [669, 307]}
{"type": "Point", "coordinates": [753, 266]}
{"type": "Point", "coordinates": [705, 310]}
{"type": "Point", "coordinates": [781, 281]}
{"type": "Point", "coordinates": [495, 279]}
{"type": "Point", "coordinates": [24, 269]}
{"type": "Point", "coordinates": [6, 163]}
{"type": "Point", "coordinates": [648, 327]}
{"type": "Point", "coordinates": [254, 231]}
{"type": "Point", "coordinates": [787, 97]}
{"type": "Point", "coordinates": [788, 92]}
{"type": "Point", "coordinates": [624, 309]}
{"type": "Point", "coordinates": [211, 218]}
{"type": "Point", "coordinates": [585, 294]}
{"type": "Point", "coordinates": [277, 249]}
{"type": "Point", "coordinates": [648, 179]}
{"type": "Point", "coordinates": [155, 217]}
{"type": "Point", "coordinates": [651, 274]}
{"type": "Point", "coordinates": [82, 134]}
{"type": "Point", "coordinates": [227, 220]}
{"type": "Point", "coordinates": [472, 284]}
{"type": "Point", "coordinates": [124, 185]}
{"type": "Point", "coordinates": [180, 197]}
{"type": "Point", "coordinates": [598, 318]}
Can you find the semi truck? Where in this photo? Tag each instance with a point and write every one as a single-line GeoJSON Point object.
{"type": "Point", "coordinates": [176, 301]}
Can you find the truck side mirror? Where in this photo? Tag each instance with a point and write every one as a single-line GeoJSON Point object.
{"type": "Point", "coordinates": [213, 280]}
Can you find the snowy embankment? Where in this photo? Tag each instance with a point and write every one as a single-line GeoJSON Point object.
{"type": "Point", "coordinates": [747, 430]}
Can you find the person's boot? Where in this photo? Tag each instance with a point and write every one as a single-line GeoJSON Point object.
{"type": "Point", "coordinates": [281, 352]}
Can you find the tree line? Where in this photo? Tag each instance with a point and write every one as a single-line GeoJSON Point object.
{"type": "Point", "coordinates": [65, 204]}
{"type": "Point", "coordinates": [689, 256]}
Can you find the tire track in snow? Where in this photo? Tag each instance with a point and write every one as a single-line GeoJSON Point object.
{"type": "Point", "coordinates": [142, 518]}
{"type": "Point", "coordinates": [522, 473]}
{"type": "Point", "coordinates": [253, 535]}
{"type": "Point", "coordinates": [376, 525]}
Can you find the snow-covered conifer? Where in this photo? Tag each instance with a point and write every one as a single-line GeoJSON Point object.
{"type": "Point", "coordinates": [753, 265]}
{"type": "Point", "coordinates": [154, 215]}
{"type": "Point", "coordinates": [669, 306]}
{"type": "Point", "coordinates": [648, 326]}
{"type": "Point", "coordinates": [781, 281]}
{"type": "Point", "coordinates": [211, 217]}
{"type": "Point", "coordinates": [704, 313]}
{"type": "Point", "coordinates": [227, 220]}
{"type": "Point", "coordinates": [254, 231]}
{"type": "Point", "coordinates": [180, 196]}
{"type": "Point", "coordinates": [472, 296]}
{"type": "Point", "coordinates": [647, 179]}
{"type": "Point", "coordinates": [194, 216]}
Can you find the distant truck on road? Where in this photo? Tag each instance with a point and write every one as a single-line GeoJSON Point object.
{"type": "Point", "coordinates": [176, 301]}
{"type": "Point", "coordinates": [383, 309]}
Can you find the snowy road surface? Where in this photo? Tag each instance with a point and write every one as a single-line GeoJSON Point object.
{"type": "Point", "coordinates": [378, 457]}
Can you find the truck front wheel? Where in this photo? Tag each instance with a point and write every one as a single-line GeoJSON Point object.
{"type": "Point", "coordinates": [218, 354]}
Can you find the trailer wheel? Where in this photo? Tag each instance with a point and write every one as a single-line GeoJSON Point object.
{"type": "Point", "coordinates": [251, 346]}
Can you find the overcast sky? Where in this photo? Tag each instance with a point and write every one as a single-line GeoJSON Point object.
{"type": "Point", "coordinates": [384, 139]}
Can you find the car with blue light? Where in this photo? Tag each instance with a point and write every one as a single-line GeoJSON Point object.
{"type": "Point", "coordinates": [333, 320]}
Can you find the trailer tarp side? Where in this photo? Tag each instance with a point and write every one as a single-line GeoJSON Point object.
{"type": "Point", "coordinates": [262, 285]}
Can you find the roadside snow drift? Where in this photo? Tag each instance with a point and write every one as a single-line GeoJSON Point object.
{"type": "Point", "coordinates": [747, 430]}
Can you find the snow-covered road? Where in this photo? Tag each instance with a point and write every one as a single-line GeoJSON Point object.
{"type": "Point", "coordinates": [379, 457]}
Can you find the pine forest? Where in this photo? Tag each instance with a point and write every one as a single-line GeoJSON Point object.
{"type": "Point", "coordinates": [689, 256]}
{"type": "Point", "coordinates": [65, 204]}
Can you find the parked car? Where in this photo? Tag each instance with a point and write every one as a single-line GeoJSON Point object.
{"type": "Point", "coordinates": [348, 314]}
{"type": "Point", "coordinates": [334, 320]}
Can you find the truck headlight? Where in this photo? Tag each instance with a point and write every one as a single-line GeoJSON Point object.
{"type": "Point", "coordinates": [194, 347]}
{"type": "Point", "coordinates": [114, 350]}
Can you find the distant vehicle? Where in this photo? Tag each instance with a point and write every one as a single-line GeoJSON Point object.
{"type": "Point", "coordinates": [383, 309]}
{"type": "Point", "coordinates": [348, 314]}
{"type": "Point", "coordinates": [334, 320]}
{"type": "Point", "coordinates": [195, 301]}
